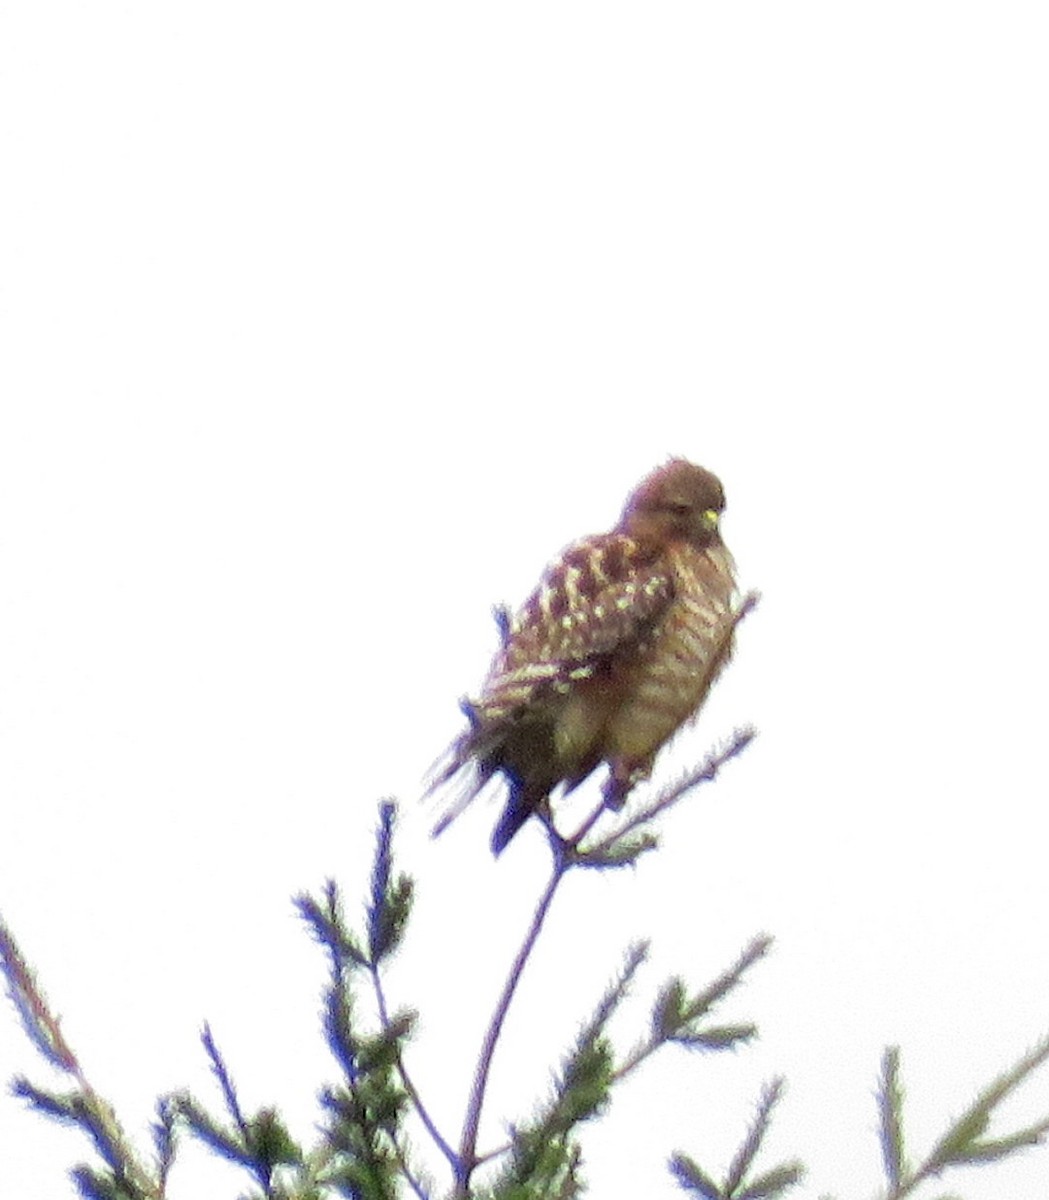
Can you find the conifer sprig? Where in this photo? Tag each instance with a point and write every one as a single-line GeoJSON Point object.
{"type": "Point", "coordinates": [125, 1177]}
{"type": "Point", "coordinates": [544, 1155]}
{"type": "Point", "coordinates": [739, 1183]}
{"type": "Point", "coordinates": [965, 1142]}
{"type": "Point", "coordinates": [261, 1143]}
{"type": "Point", "coordinates": [677, 1016]}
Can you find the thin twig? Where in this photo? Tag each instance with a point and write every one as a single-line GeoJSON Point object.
{"type": "Point", "coordinates": [421, 1111]}
{"type": "Point", "coordinates": [588, 824]}
{"type": "Point", "coordinates": [467, 1158]}
{"type": "Point", "coordinates": [706, 772]}
{"type": "Point", "coordinates": [94, 1114]}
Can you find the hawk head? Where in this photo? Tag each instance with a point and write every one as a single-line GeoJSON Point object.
{"type": "Point", "coordinates": [677, 502]}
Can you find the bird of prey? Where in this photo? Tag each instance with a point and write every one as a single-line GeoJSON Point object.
{"type": "Point", "coordinates": [612, 653]}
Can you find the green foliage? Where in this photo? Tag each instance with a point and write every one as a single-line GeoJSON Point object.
{"type": "Point", "coordinates": [391, 900]}
{"type": "Point", "coordinates": [260, 1143]}
{"type": "Point", "coordinates": [544, 1153]}
{"type": "Point", "coordinates": [890, 1109]}
{"type": "Point", "coordinates": [676, 1015]}
{"type": "Point", "coordinates": [738, 1183]}
{"type": "Point", "coordinates": [964, 1143]}
{"type": "Point", "coordinates": [362, 1152]}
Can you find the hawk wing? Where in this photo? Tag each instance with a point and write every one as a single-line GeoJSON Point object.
{"type": "Point", "coordinates": [597, 601]}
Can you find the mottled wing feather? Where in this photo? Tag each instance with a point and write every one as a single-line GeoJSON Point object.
{"type": "Point", "coordinates": [596, 600]}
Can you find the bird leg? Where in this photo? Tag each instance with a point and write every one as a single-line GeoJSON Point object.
{"type": "Point", "coordinates": [622, 779]}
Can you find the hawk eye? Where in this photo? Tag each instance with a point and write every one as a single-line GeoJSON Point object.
{"type": "Point", "coordinates": [680, 510]}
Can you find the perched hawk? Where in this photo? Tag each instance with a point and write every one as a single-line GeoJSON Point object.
{"type": "Point", "coordinates": [615, 649]}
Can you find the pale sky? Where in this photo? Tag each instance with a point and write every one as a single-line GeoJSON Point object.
{"type": "Point", "coordinates": [323, 328]}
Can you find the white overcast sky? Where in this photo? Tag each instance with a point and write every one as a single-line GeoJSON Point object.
{"type": "Point", "coordinates": [323, 327]}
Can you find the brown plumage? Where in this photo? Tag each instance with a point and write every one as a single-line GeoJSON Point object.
{"type": "Point", "coordinates": [611, 654]}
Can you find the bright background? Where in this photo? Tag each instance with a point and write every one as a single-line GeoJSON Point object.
{"type": "Point", "coordinates": [323, 327]}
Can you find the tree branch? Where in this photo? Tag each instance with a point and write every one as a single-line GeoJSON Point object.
{"type": "Point", "coordinates": [421, 1111]}
{"type": "Point", "coordinates": [467, 1158]}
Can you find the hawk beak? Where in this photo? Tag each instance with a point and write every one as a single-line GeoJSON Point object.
{"type": "Point", "coordinates": [710, 518]}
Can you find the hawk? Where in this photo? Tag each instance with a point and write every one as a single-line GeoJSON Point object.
{"type": "Point", "coordinates": [611, 654]}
